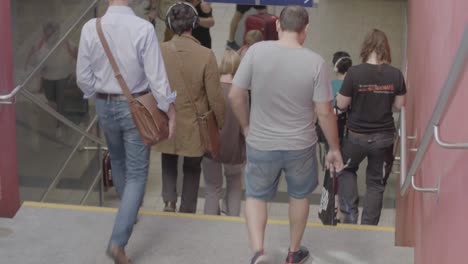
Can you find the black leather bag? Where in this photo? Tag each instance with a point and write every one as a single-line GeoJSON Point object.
{"type": "Point", "coordinates": [328, 212]}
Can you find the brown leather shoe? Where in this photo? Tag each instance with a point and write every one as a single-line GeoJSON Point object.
{"type": "Point", "coordinates": [170, 207]}
{"type": "Point", "coordinates": [118, 255]}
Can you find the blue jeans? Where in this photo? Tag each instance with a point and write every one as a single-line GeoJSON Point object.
{"type": "Point", "coordinates": [129, 161]}
{"type": "Point", "coordinates": [263, 171]}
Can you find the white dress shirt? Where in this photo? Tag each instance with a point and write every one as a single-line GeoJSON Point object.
{"type": "Point", "coordinates": [134, 44]}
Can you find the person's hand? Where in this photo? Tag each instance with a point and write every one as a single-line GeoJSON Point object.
{"type": "Point", "coordinates": [171, 113]}
{"type": "Point", "coordinates": [73, 76]}
{"type": "Point", "coordinates": [152, 15]}
{"type": "Point", "coordinates": [334, 161]}
{"type": "Point", "coordinates": [245, 131]}
{"type": "Point", "coordinates": [172, 127]}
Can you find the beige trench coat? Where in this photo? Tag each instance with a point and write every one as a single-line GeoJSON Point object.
{"type": "Point", "coordinates": [201, 70]}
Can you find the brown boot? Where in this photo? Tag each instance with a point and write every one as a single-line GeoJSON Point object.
{"type": "Point", "coordinates": [118, 255]}
{"type": "Point", "coordinates": [170, 207]}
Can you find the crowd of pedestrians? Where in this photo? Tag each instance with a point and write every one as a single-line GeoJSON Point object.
{"type": "Point", "coordinates": [266, 99]}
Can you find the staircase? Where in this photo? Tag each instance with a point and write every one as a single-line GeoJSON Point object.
{"type": "Point", "coordinates": [54, 233]}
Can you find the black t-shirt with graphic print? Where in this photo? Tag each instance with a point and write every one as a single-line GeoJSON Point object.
{"type": "Point", "coordinates": [373, 89]}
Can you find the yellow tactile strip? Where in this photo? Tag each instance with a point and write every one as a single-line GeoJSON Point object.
{"type": "Point", "coordinates": [197, 216]}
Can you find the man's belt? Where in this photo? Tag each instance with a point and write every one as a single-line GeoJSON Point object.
{"type": "Point", "coordinates": [118, 97]}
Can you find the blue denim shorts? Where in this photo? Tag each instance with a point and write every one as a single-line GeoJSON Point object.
{"type": "Point", "coordinates": [264, 169]}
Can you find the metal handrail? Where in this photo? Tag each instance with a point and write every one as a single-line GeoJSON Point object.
{"type": "Point", "coordinates": [41, 104]}
{"type": "Point", "coordinates": [446, 144]}
{"type": "Point", "coordinates": [60, 117]}
{"type": "Point", "coordinates": [427, 190]}
{"type": "Point", "coordinates": [446, 92]}
{"type": "Point", "coordinates": [96, 179]}
{"type": "Point", "coordinates": [4, 98]}
{"type": "Point", "coordinates": [9, 99]}
{"type": "Point", "coordinates": [67, 161]}
{"type": "Point", "coordinates": [396, 148]}
{"type": "Point", "coordinates": [403, 150]}
{"type": "Point", "coordinates": [93, 185]}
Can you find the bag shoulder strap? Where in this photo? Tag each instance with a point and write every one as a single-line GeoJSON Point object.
{"type": "Point", "coordinates": [181, 69]}
{"type": "Point", "coordinates": [112, 61]}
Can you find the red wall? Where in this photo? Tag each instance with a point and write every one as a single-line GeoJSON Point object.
{"type": "Point", "coordinates": [9, 192]}
{"type": "Point", "coordinates": [438, 230]}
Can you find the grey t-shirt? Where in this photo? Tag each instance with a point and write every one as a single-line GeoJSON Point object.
{"type": "Point", "coordinates": [285, 84]}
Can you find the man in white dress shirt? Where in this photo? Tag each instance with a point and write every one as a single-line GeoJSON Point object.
{"type": "Point", "coordinates": [134, 45]}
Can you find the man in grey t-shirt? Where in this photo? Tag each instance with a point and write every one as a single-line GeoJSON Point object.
{"type": "Point", "coordinates": [290, 89]}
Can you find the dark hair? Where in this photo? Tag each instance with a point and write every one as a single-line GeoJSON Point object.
{"type": "Point", "coordinates": [50, 27]}
{"type": "Point", "coordinates": [181, 18]}
{"type": "Point", "coordinates": [344, 64]}
{"type": "Point", "coordinates": [376, 41]}
{"type": "Point", "coordinates": [294, 19]}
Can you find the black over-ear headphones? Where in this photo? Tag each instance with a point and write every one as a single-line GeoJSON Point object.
{"type": "Point", "coordinates": [335, 69]}
{"type": "Point", "coordinates": [168, 17]}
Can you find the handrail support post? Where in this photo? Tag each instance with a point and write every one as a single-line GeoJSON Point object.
{"type": "Point", "coordinates": [435, 190]}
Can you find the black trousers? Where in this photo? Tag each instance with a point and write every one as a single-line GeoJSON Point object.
{"type": "Point", "coordinates": [378, 148]}
{"type": "Point", "coordinates": [191, 184]}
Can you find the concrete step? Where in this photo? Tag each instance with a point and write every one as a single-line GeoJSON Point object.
{"type": "Point", "coordinates": [54, 233]}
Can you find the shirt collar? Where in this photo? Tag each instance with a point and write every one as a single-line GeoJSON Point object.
{"type": "Point", "coordinates": [190, 37]}
{"type": "Point", "coordinates": [125, 10]}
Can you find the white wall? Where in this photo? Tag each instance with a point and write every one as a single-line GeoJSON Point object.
{"type": "Point", "coordinates": [342, 25]}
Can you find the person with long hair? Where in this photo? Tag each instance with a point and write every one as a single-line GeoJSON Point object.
{"type": "Point", "coordinates": [371, 90]}
{"type": "Point", "coordinates": [232, 153]}
{"type": "Point", "coordinates": [253, 36]}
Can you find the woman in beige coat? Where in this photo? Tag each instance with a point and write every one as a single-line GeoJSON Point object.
{"type": "Point", "coordinates": [193, 72]}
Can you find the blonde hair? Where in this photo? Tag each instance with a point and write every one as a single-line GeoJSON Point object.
{"type": "Point", "coordinates": [253, 36]}
{"type": "Point", "coordinates": [229, 63]}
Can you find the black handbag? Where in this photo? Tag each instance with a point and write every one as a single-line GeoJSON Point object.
{"type": "Point", "coordinates": [328, 212]}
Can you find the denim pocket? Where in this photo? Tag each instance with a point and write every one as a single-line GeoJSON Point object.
{"type": "Point", "coordinates": [124, 116]}
{"type": "Point", "coordinates": [102, 109]}
{"type": "Point", "coordinates": [373, 141]}
{"type": "Point", "coordinates": [124, 113]}
{"type": "Point", "coordinates": [259, 156]}
{"type": "Point", "coordinates": [383, 140]}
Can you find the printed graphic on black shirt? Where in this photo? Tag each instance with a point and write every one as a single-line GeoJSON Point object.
{"type": "Point", "coordinates": [386, 89]}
